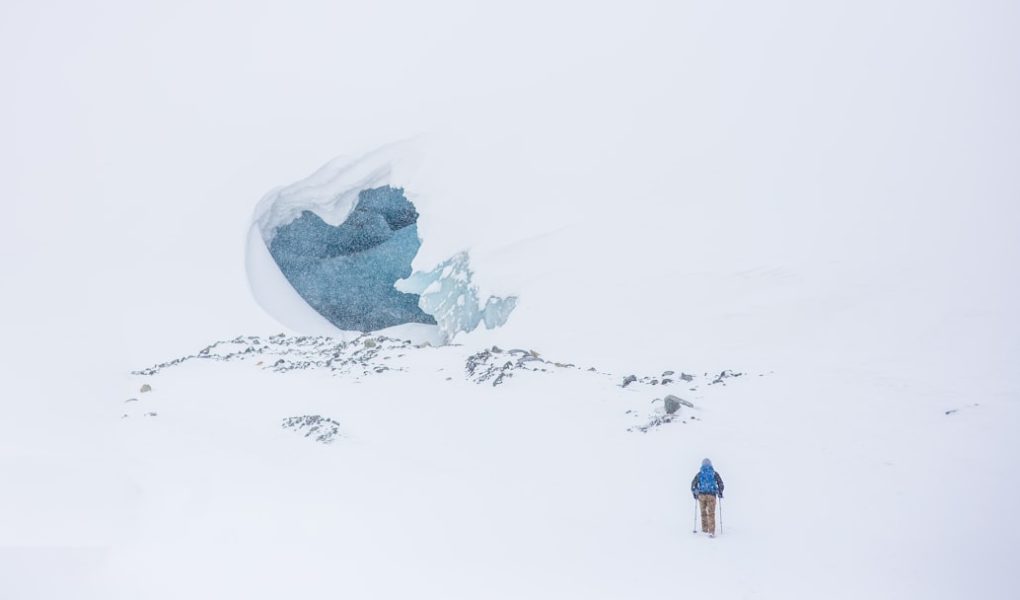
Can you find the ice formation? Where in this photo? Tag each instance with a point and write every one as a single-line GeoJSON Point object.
{"type": "Point", "coordinates": [448, 294]}
{"type": "Point", "coordinates": [333, 253]}
{"type": "Point", "coordinates": [347, 272]}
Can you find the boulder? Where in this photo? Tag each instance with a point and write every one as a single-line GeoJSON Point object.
{"type": "Point", "coordinates": [676, 401]}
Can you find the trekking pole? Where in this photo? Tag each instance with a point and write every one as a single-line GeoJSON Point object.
{"type": "Point", "coordinates": [695, 530]}
{"type": "Point", "coordinates": [720, 516]}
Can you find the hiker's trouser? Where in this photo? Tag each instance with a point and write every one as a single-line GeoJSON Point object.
{"type": "Point", "coordinates": [707, 503]}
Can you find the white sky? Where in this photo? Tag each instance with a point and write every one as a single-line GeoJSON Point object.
{"type": "Point", "coordinates": [135, 138]}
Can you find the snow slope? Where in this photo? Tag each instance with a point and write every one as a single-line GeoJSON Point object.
{"type": "Point", "coordinates": [821, 194]}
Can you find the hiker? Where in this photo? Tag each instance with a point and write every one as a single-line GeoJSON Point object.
{"type": "Point", "coordinates": [705, 487]}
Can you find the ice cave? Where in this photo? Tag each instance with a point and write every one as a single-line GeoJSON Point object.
{"type": "Point", "coordinates": [334, 253]}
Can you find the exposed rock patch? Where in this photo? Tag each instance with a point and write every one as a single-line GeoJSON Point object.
{"type": "Point", "coordinates": [374, 355]}
{"type": "Point", "coordinates": [315, 427]}
{"type": "Point", "coordinates": [723, 376]}
{"type": "Point", "coordinates": [497, 365]}
{"type": "Point", "coordinates": [281, 353]}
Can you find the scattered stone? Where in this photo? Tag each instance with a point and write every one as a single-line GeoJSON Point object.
{"type": "Point", "coordinates": [316, 427]}
{"type": "Point", "coordinates": [666, 380]}
{"type": "Point", "coordinates": [371, 355]}
{"type": "Point", "coordinates": [656, 421]}
{"type": "Point", "coordinates": [486, 366]}
{"type": "Point", "coordinates": [131, 400]}
{"type": "Point", "coordinates": [290, 353]}
{"type": "Point", "coordinates": [724, 375]}
{"type": "Point", "coordinates": [951, 411]}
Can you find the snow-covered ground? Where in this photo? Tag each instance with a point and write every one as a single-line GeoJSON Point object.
{"type": "Point", "coordinates": [820, 197]}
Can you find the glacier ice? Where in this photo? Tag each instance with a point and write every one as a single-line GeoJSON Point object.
{"type": "Point", "coordinates": [347, 272]}
{"type": "Point", "coordinates": [449, 295]}
{"type": "Point", "coordinates": [333, 253]}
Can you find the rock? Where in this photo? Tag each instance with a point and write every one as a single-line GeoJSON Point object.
{"type": "Point", "coordinates": [629, 379]}
{"type": "Point", "coordinates": [146, 388]}
{"type": "Point", "coordinates": [671, 404]}
{"type": "Point", "coordinates": [131, 400]}
{"type": "Point", "coordinates": [678, 400]}
{"type": "Point", "coordinates": [667, 373]}
{"type": "Point", "coordinates": [686, 377]}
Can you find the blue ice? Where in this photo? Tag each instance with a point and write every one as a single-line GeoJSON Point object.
{"type": "Point", "coordinates": [347, 272]}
